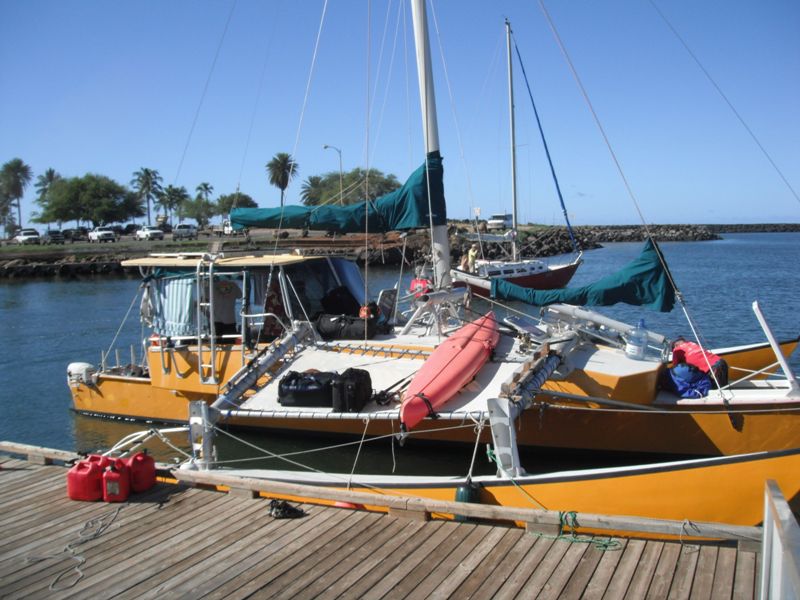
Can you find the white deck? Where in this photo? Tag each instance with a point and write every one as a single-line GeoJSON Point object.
{"type": "Point", "coordinates": [385, 372]}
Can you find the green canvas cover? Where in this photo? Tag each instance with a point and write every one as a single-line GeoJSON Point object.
{"type": "Point", "coordinates": [642, 282]}
{"type": "Point", "coordinates": [403, 209]}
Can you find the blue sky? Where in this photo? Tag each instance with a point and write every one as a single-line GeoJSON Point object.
{"type": "Point", "coordinates": [109, 87]}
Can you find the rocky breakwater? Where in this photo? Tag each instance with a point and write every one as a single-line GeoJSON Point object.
{"type": "Point", "coordinates": [66, 266]}
{"type": "Point", "coordinates": [543, 242]}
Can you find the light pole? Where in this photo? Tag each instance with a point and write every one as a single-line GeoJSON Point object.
{"type": "Point", "coordinates": [341, 176]}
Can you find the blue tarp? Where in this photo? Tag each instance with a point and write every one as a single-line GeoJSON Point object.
{"type": "Point", "coordinates": [403, 209]}
{"type": "Point", "coordinates": [642, 282]}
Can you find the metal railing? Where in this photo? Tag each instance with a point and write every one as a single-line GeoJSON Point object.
{"type": "Point", "coordinates": [780, 547]}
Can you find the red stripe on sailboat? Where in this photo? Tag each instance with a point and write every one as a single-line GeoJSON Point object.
{"type": "Point", "coordinates": [450, 367]}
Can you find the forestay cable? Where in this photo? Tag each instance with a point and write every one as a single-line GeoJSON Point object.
{"type": "Point", "coordinates": [727, 101]}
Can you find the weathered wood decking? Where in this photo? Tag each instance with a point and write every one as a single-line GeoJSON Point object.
{"type": "Point", "coordinates": [177, 541]}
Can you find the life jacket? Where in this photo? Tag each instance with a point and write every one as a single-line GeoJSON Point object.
{"type": "Point", "coordinates": [420, 286]}
{"type": "Point", "coordinates": [694, 355]}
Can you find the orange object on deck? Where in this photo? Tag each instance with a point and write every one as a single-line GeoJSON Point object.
{"type": "Point", "coordinates": [450, 367]}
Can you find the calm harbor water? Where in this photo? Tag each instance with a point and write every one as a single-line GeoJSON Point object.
{"type": "Point", "coordinates": [46, 324]}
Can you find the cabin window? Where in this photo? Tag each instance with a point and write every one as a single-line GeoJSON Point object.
{"type": "Point", "coordinates": [312, 280]}
{"type": "Point", "coordinates": [508, 272]}
{"type": "Point", "coordinates": [493, 273]}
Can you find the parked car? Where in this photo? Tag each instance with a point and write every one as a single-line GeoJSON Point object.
{"type": "Point", "coordinates": [27, 236]}
{"type": "Point", "coordinates": [53, 236]}
{"type": "Point", "coordinates": [130, 229]}
{"type": "Point", "coordinates": [102, 234]}
{"type": "Point", "coordinates": [76, 235]}
{"type": "Point", "coordinates": [184, 231]}
{"type": "Point", "coordinates": [149, 232]}
{"type": "Point", "coordinates": [500, 221]}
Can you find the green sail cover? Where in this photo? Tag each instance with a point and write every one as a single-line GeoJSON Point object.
{"type": "Point", "coordinates": [403, 209]}
{"type": "Point", "coordinates": [642, 282]}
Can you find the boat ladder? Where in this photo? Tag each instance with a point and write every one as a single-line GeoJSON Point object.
{"type": "Point", "coordinates": [206, 336]}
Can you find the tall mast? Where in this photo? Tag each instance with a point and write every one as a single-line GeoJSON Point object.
{"type": "Point", "coordinates": [439, 240]}
{"type": "Point", "coordinates": [513, 142]}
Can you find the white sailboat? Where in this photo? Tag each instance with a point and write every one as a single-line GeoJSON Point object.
{"type": "Point", "coordinates": [531, 273]}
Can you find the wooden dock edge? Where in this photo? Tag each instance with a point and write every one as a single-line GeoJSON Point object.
{"type": "Point", "coordinates": [535, 519]}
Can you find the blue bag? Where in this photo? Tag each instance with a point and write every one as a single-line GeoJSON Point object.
{"type": "Point", "coordinates": [687, 381]}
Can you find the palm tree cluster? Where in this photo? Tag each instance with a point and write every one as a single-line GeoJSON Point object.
{"type": "Point", "coordinates": [100, 200]}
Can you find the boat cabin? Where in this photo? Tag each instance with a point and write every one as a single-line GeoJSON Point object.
{"type": "Point", "coordinates": [242, 299]}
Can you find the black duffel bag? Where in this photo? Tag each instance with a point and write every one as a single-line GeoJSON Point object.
{"type": "Point", "coordinates": [345, 327]}
{"type": "Point", "coordinates": [351, 391]}
{"type": "Point", "coordinates": [306, 389]}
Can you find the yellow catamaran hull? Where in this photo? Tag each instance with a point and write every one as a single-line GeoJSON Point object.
{"type": "Point", "coordinates": [722, 490]}
{"type": "Point", "coordinates": [697, 430]}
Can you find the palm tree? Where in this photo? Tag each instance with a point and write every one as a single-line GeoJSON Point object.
{"type": "Point", "coordinates": [147, 184]}
{"type": "Point", "coordinates": [14, 178]}
{"type": "Point", "coordinates": [174, 198]}
{"type": "Point", "coordinates": [311, 191]}
{"type": "Point", "coordinates": [43, 183]}
{"type": "Point", "coordinates": [204, 191]}
{"type": "Point", "coordinates": [281, 169]}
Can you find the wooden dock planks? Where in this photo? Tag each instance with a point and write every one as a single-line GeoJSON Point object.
{"type": "Point", "coordinates": [178, 541]}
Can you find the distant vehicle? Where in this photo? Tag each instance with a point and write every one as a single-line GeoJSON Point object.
{"type": "Point", "coordinates": [102, 234]}
{"type": "Point", "coordinates": [149, 232]}
{"type": "Point", "coordinates": [76, 235]}
{"type": "Point", "coordinates": [500, 221]}
{"type": "Point", "coordinates": [130, 229]}
{"type": "Point", "coordinates": [184, 231]}
{"type": "Point", "coordinates": [27, 236]}
{"type": "Point", "coordinates": [227, 229]}
{"type": "Point", "coordinates": [53, 236]}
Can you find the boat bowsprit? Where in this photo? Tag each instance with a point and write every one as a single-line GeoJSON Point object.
{"type": "Point", "coordinates": [450, 367]}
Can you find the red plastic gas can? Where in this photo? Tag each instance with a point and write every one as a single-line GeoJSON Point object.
{"type": "Point", "coordinates": [116, 481]}
{"type": "Point", "coordinates": [85, 482]}
{"type": "Point", "coordinates": [142, 468]}
{"type": "Point", "coordinates": [100, 460]}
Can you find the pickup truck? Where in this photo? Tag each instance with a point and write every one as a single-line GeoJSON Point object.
{"type": "Point", "coordinates": [500, 221]}
{"type": "Point", "coordinates": [226, 229]}
{"type": "Point", "coordinates": [102, 234]}
{"type": "Point", "coordinates": [149, 233]}
{"type": "Point", "coordinates": [184, 231]}
{"type": "Point", "coordinates": [27, 236]}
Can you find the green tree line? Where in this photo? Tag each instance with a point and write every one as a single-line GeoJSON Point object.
{"type": "Point", "coordinates": [98, 200]}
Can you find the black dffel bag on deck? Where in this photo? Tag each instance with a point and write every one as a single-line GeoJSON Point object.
{"type": "Point", "coordinates": [306, 389]}
{"type": "Point", "coordinates": [345, 327]}
{"type": "Point", "coordinates": [351, 391]}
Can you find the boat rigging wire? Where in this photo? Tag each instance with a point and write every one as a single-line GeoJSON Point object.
{"type": "Point", "coordinates": [575, 245]}
{"type": "Point", "coordinates": [358, 452]}
{"type": "Point", "coordinates": [453, 111]}
{"type": "Point", "coordinates": [203, 94]}
{"type": "Point", "coordinates": [726, 99]}
{"type": "Point", "coordinates": [626, 183]}
{"type": "Point", "coordinates": [392, 55]}
{"type": "Point", "coordinates": [255, 107]}
{"type": "Point", "coordinates": [310, 77]}
{"type": "Point", "coordinates": [125, 318]}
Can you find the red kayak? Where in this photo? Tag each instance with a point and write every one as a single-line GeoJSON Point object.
{"type": "Point", "coordinates": [450, 367]}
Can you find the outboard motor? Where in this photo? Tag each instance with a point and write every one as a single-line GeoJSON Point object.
{"type": "Point", "coordinates": [81, 372]}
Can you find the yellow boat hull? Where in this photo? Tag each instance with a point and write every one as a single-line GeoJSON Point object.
{"type": "Point", "coordinates": [174, 382]}
{"type": "Point", "coordinates": [726, 490]}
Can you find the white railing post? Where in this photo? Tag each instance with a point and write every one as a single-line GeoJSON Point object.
{"type": "Point", "coordinates": [780, 547]}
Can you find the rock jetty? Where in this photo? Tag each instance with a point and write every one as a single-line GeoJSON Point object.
{"type": "Point", "coordinates": [86, 260]}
